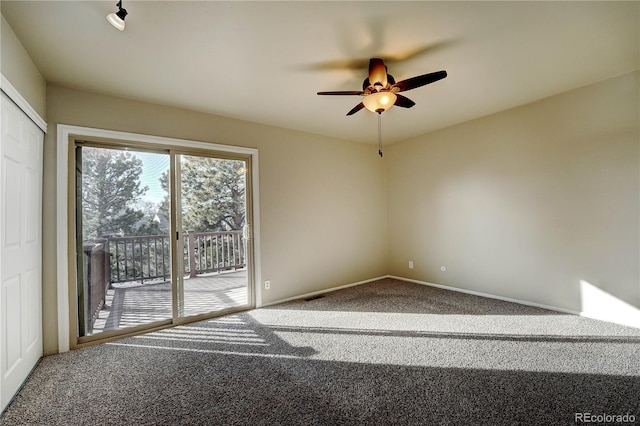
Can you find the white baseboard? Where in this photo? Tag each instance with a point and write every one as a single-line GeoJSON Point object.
{"type": "Point", "coordinates": [444, 287]}
{"type": "Point", "coordinates": [601, 316]}
{"type": "Point", "coordinates": [591, 315]}
{"type": "Point", "coordinates": [489, 296]}
{"type": "Point", "coordinates": [329, 290]}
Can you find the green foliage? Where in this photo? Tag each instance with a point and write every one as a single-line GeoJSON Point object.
{"type": "Point", "coordinates": [110, 187]}
{"type": "Point", "coordinates": [151, 223]}
{"type": "Point", "coordinates": [213, 194]}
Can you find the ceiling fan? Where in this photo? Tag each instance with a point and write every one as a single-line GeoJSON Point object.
{"type": "Point", "coordinates": [381, 91]}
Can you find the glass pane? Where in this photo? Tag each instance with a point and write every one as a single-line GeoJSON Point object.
{"type": "Point", "coordinates": [213, 210]}
{"type": "Point", "coordinates": [124, 263]}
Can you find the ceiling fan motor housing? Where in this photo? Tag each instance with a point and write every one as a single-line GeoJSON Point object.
{"type": "Point", "coordinates": [384, 92]}
{"type": "Point", "coordinates": [369, 88]}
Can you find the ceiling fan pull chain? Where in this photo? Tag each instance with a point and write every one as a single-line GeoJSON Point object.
{"type": "Point", "coordinates": [380, 134]}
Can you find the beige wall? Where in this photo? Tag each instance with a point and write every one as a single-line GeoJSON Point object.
{"type": "Point", "coordinates": [322, 201]}
{"type": "Point", "coordinates": [525, 203]}
{"type": "Point", "coordinates": [19, 69]}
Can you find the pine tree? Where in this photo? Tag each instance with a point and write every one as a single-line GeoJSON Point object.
{"type": "Point", "coordinates": [110, 190]}
{"type": "Point", "coordinates": [213, 194]}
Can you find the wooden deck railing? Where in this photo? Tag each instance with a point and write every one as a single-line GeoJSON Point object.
{"type": "Point", "coordinates": [213, 252]}
{"type": "Point", "coordinates": [146, 258]}
{"type": "Point", "coordinates": [95, 281]}
{"type": "Point", "coordinates": [143, 258]}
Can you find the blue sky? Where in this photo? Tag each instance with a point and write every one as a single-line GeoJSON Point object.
{"type": "Point", "coordinates": [153, 166]}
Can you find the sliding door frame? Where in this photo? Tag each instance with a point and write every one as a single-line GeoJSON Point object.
{"type": "Point", "coordinates": [67, 135]}
{"type": "Point", "coordinates": [76, 340]}
{"type": "Point", "coordinates": [176, 243]}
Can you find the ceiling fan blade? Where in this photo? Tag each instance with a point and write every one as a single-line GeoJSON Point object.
{"type": "Point", "coordinates": [418, 51]}
{"type": "Point", "coordinates": [356, 108]}
{"type": "Point", "coordinates": [345, 92]}
{"type": "Point", "coordinates": [403, 101]}
{"type": "Point", "coordinates": [346, 64]}
{"type": "Point", "coordinates": [389, 58]}
{"type": "Point", "coordinates": [421, 80]}
{"type": "Point", "coordinates": [377, 72]}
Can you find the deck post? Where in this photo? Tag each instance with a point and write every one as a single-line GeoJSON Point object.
{"type": "Point", "coordinates": [107, 262]}
{"type": "Point", "coordinates": [192, 257]}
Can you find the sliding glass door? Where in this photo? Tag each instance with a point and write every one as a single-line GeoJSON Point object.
{"type": "Point", "coordinates": [161, 237]}
{"type": "Point", "coordinates": [212, 213]}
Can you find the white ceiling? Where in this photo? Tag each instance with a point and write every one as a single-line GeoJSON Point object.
{"type": "Point", "coordinates": [265, 61]}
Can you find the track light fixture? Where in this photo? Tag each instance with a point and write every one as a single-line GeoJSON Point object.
{"type": "Point", "coordinates": [117, 18]}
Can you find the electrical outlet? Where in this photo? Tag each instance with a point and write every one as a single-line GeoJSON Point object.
{"type": "Point", "coordinates": [411, 264]}
{"type": "Point", "coordinates": [267, 284]}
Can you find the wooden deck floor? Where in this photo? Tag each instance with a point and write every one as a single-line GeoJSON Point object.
{"type": "Point", "coordinates": [132, 305]}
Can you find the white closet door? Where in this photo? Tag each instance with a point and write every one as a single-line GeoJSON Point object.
{"type": "Point", "coordinates": [20, 249]}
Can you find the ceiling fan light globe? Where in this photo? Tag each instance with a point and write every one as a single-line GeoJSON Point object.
{"type": "Point", "coordinates": [116, 21]}
{"type": "Point", "coordinates": [379, 101]}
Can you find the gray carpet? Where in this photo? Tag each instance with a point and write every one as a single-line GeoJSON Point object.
{"type": "Point", "coordinates": [382, 353]}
